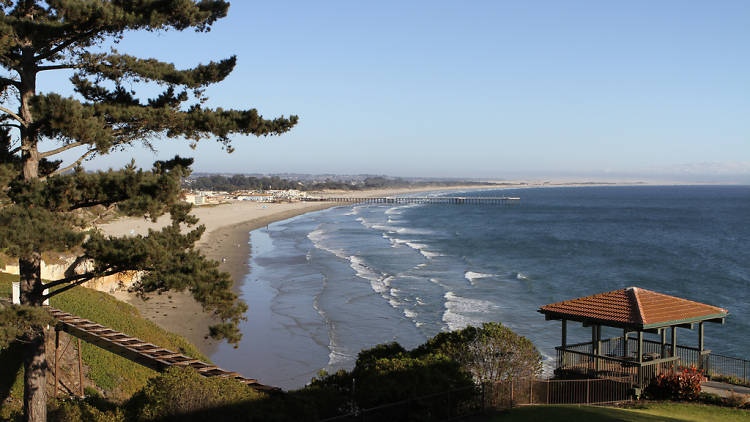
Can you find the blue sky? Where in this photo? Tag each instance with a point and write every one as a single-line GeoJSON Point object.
{"type": "Point", "coordinates": [492, 89]}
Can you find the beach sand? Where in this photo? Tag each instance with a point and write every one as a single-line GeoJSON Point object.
{"type": "Point", "coordinates": [226, 240]}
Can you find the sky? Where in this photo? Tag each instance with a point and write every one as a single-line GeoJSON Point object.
{"type": "Point", "coordinates": [480, 89]}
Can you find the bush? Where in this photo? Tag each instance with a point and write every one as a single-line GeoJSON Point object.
{"type": "Point", "coordinates": [77, 410]}
{"type": "Point", "coordinates": [682, 384]}
{"type": "Point", "coordinates": [490, 353]}
{"type": "Point", "coordinates": [180, 391]}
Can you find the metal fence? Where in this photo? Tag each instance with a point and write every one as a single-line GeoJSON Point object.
{"type": "Point", "coordinates": [460, 403]}
{"type": "Point", "coordinates": [443, 406]}
{"type": "Point", "coordinates": [725, 366]}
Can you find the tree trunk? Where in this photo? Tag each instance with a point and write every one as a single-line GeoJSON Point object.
{"type": "Point", "coordinates": [35, 358]}
{"type": "Point", "coordinates": [35, 379]}
{"type": "Point", "coordinates": [30, 267]}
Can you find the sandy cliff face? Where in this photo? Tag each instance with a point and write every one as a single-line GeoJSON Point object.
{"type": "Point", "coordinates": [66, 267]}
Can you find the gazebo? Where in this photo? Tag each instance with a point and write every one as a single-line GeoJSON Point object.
{"type": "Point", "coordinates": [636, 311]}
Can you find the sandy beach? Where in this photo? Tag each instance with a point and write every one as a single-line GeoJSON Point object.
{"type": "Point", "coordinates": [227, 241]}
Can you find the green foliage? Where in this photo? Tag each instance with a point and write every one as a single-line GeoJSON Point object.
{"type": "Point", "coordinates": [180, 391]}
{"type": "Point", "coordinates": [43, 205]}
{"type": "Point", "coordinates": [684, 383]}
{"type": "Point", "coordinates": [19, 322]}
{"type": "Point", "coordinates": [87, 410]}
{"type": "Point", "coordinates": [239, 182]}
{"type": "Point", "coordinates": [117, 376]}
{"type": "Point", "coordinates": [490, 353]}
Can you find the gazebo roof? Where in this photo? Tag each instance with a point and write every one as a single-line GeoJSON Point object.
{"type": "Point", "coordinates": [633, 307]}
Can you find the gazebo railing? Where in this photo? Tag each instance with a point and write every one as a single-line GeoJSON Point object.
{"type": "Point", "coordinates": [612, 362]}
{"type": "Point", "coordinates": [613, 359]}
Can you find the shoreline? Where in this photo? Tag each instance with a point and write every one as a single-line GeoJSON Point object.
{"type": "Point", "coordinates": [227, 240]}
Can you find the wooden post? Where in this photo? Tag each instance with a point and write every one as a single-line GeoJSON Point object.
{"type": "Point", "coordinates": [674, 340]}
{"type": "Point", "coordinates": [700, 345]}
{"type": "Point", "coordinates": [625, 339]}
{"type": "Point", "coordinates": [531, 391]}
{"type": "Point", "coordinates": [564, 333]}
{"type": "Point", "coordinates": [80, 370]}
{"type": "Point", "coordinates": [598, 346]}
{"type": "Point", "coordinates": [663, 332]}
{"type": "Point", "coordinates": [594, 352]}
{"type": "Point", "coordinates": [640, 346]}
{"type": "Point", "coordinates": [57, 349]}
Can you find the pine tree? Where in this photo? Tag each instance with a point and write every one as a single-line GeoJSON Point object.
{"type": "Point", "coordinates": [43, 200]}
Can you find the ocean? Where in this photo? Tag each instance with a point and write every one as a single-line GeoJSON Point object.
{"type": "Point", "coordinates": [327, 284]}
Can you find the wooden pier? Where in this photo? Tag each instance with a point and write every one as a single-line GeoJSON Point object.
{"type": "Point", "coordinates": [139, 351]}
{"type": "Point", "coordinates": [443, 200]}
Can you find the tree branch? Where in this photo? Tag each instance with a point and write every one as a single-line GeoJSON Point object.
{"type": "Point", "coordinates": [65, 44]}
{"type": "Point", "coordinates": [61, 149]}
{"type": "Point", "coordinates": [75, 281]}
{"type": "Point", "coordinates": [10, 125]}
{"type": "Point", "coordinates": [58, 67]}
{"type": "Point", "coordinates": [75, 164]}
{"type": "Point", "coordinates": [8, 81]}
{"type": "Point", "coordinates": [14, 115]}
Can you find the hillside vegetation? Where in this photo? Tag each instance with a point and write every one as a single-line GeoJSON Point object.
{"type": "Point", "coordinates": [115, 377]}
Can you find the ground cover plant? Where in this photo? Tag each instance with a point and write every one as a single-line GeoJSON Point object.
{"type": "Point", "coordinates": [117, 377]}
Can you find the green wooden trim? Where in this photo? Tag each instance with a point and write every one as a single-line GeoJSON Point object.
{"type": "Point", "coordinates": [685, 321]}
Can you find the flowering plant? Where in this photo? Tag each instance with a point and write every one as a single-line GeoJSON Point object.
{"type": "Point", "coordinates": [681, 384]}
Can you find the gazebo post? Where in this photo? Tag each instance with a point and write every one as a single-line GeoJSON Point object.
{"type": "Point", "coordinates": [625, 339]}
{"type": "Point", "coordinates": [598, 346]}
{"type": "Point", "coordinates": [640, 347]}
{"type": "Point", "coordinates": [674, 340]}
{"type": "Point", "coordinates": [700, 345]}
{"type": "Point", "coordinates": [663, 332]}
{"type": "Point", "coordinates": [564, 333]}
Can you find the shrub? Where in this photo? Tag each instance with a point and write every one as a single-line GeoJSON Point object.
{"type": "Point", "coordinates": [180, 391]}
{"type": "Point", "coordinates": [682, 384]}
{"type": "Point", "coordinates": [77, 410]}
{"type": "Point", "coordinates": [492, 352]}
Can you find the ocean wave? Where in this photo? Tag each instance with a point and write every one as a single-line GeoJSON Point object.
{"type": "Point", "coordinates": [471, 276]}
{"type": "Point", "coordinates": [409, 313]}
{"type": "Point", "coordinates": [378, 282]}
{"type": "Point", "coordinates": [521, 276]}
{"type": "Point", "coordinates": [458, 311]}
{"type": "Point", "coordinates": [317, 237]}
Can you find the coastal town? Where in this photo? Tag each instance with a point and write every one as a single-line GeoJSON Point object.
{"type": "Point", "coordinates": [202, 197]}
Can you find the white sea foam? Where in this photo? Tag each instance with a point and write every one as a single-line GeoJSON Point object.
{"type": "Point", "coordinates": [409, 313]}
{"type": "Point", "coordinates": [338, 357]}
{"type": "Point", "coordinates": [378, 282]}
{"type": "Point", "coordinates": [521, 276]}
{"type": "Point", "coordinates": [471, 276]}
{"type": "Point", "coordinates": [318, 238]}
{"type": "Point", "coordinates": [458, 311]}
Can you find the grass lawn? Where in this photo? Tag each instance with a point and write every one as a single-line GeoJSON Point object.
{"type": "Point", "coordinates": [118, 376]}
{"type": "Point", "coordinates": [648, 412]}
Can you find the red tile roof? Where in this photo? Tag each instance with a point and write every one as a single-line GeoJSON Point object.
{"type": "Point", "coordinates": [633, 306]}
